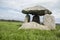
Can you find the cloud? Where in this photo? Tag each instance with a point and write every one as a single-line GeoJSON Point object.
{"type": "Point", "coordinates": [19, 3]}
{"type": "Point", "coordinates": [56, 13]}
{"type": "Point", "coordinates": [7, 13]}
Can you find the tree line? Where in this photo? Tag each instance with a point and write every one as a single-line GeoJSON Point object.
{"type": "Point", "coordinates": [10, 20]}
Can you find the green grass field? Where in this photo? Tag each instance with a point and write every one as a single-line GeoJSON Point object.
{"type": "Point", "coordinates": [9, 31]}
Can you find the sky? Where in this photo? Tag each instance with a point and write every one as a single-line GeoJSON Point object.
{"type": "Point", "coordinates": [11, 9]}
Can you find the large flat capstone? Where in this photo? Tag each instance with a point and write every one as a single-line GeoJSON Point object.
{"type": "Point", "coordinates": [36, 10]}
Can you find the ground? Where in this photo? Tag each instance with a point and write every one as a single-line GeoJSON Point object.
{"type": "Point", "coordinates": [9, 31]}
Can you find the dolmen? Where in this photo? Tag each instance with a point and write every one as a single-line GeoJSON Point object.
{"type": "Point", "coordinates": [37, 11]}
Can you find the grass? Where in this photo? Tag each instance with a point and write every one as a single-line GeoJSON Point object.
{"type": "Point", "coordinates": [9, 31]}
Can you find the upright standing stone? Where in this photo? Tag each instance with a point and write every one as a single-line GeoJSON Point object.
{"type": "Point", "coordinates": [49, 21]}
{"type": "Point", "coordinates": [36, 19]}
{"type": "Point", "coordinates": [27, 18]}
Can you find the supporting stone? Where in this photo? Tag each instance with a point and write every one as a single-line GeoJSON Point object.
{"type": "Point", "coordinates": [36, 19]}
{"type": "Point", "coordinates": [33, 25]}
{"type": "Point", "coordinates": [27, 18]}
{"type": "Point", "coordinates": [49, 21]}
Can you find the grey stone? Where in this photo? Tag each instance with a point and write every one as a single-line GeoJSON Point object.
{"type": "Point", "coordinates": [49, 21]}
{"type": "Point", "coordinates": [34, 25]}
{"type": "Point", "coordinates": [27, 18]}
{"type": "Point", "coordinates": [36, 19]}
{"type": "Point", "coordinates": [36, 10]}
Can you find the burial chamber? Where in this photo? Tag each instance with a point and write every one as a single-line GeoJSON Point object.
{"type": "Point", "coordinates": [48, 19]}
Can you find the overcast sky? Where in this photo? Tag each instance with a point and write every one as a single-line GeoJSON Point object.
{"type": "Point", "coordinates": [11, 9]}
